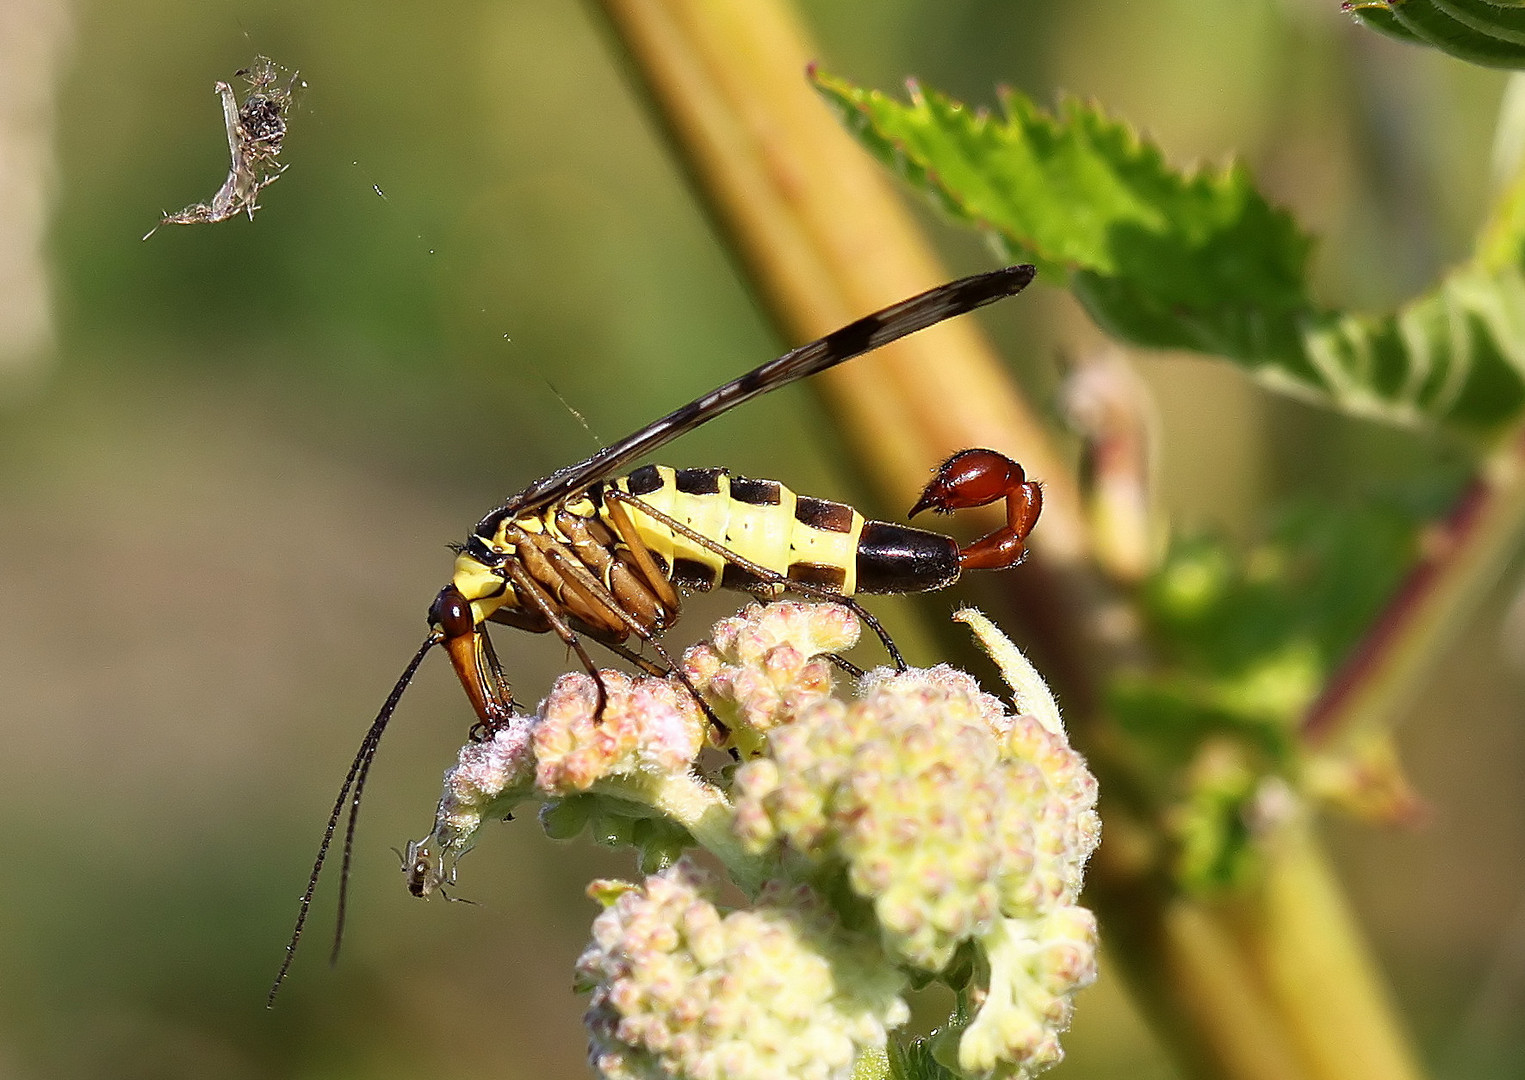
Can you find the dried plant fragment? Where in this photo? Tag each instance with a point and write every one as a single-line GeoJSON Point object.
{"type": "Point", "coordinates": [255, 131]}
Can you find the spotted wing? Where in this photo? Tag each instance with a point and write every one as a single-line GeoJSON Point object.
{"type": "Point", "coordinates": [854, 339]}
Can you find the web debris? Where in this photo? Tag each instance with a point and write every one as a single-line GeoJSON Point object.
{"type": "Point", "coordinates": [255, 131]}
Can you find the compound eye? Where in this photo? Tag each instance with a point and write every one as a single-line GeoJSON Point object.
{"type": "Point", "coordinates": [451, 613]}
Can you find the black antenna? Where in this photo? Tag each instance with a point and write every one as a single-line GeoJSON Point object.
{"type": "Point", "coordinates": [354, 781]}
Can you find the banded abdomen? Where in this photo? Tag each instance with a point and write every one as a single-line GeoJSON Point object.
{"type": "Point", "coordinates": [809, 541]}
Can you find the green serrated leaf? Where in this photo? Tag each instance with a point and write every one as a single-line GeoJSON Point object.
{"type": "Point", "coordinates": [1455, 355]}
{"type": "Point", "coordinates": [1125, 215]}
{"type": "Point", "coordinates": [1474, 39]}
{"type": "Point", "coordinates": [1505, 23]}
{"type": "Point", "coordinates": [1199, 260]}
{"type": "Point", "coordinates": [1379, 17]}
{"type": "Point", "coordinates": [1478, 31]}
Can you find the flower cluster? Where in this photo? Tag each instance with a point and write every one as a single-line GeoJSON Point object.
{"type": "Point", "coordinates": [681, 989]}
{"type": "Point", "coordinates": [916, 831]}
{"type": "Point", "coordinates": [761, 668]}
{"type": "Point", "coordinates": [909, 790]}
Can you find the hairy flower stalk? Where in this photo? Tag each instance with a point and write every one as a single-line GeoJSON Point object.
{"type": "Point", "coordinates": [918, 831]}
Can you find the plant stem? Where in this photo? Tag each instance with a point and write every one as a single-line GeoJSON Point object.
{"type": "Point", "coordinates": [1463, 557]}
{"type": "Point", "coordinates": [707, 814]}
{"type": "Point", "coordinates": [1303, 943]}
{"type": "Point", "coordinates": [824, 238]}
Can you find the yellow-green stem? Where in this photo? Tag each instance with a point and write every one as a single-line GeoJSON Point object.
{"type": "Point", "coordinates": [825, 239]}
{"type": "Point", "coordinates": [1301, 940]}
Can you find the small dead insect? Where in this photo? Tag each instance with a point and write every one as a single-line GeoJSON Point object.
{"type": "Point", "coordinates": [255, 131]}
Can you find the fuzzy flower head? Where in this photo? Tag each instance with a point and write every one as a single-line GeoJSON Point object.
{"type": "Point", "coordinates": [648, 727]}
{"type": "Point", "coordinates": [681, 990]}
{"type": "Point", "coordinates": [962, 826]}
{"type": "Point", "coordinates": [943, 812]}
{"type": "Point", "coordinates": [1024, 1004]}
{"type": "Point", "coordinates": [916, 830]}
{"type": "Point", "coordinates": [612, 773]}
{"type": "Point", "coordinates": [761, 667]}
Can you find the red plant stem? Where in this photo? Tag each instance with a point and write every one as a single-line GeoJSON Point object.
{"type": "Point", "coordinates": [1462, 557]}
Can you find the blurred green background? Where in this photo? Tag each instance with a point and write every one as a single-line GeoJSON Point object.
{"type": "Point", "coordinates": [233, 456]}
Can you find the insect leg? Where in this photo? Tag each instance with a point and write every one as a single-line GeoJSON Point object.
{"type": "Point", "coordinates": [529, 588]}
{"type": "Point", "coordinates": [852, 670]}
{"type": "Point", "coordinates": [496, 668]}
{"type": "Point", "coordinates": [659, 582]}
{"type": "Point", "coordinates": [772, 577]}
{"type": "Point", "coordinates": [579, 579]}
{"type": "Point", "coordinates": [650, 667]}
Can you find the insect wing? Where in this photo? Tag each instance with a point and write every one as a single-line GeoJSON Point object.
{"type": "Point", "coordinates": [856, 338]}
